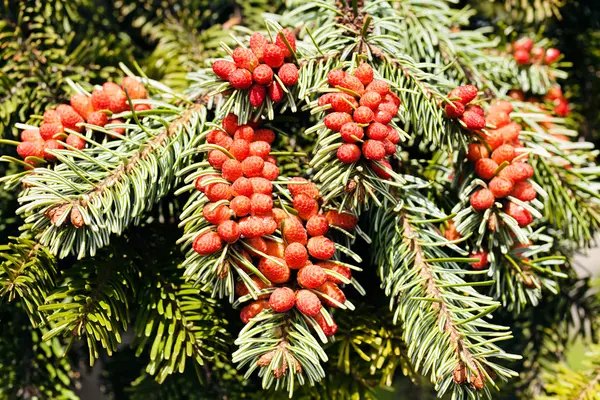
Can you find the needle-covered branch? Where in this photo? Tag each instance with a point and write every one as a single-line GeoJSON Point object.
{"type": "Point", "coordinates": [95, 192]}
{"type": "Point", "coordinates": [443, 316]}
{"type": "Point", "coordinates": [28, 273]}
{"type": "Point", "coordinates": [92, 303]}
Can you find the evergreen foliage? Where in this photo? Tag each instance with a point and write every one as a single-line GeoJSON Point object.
{"type": "Point", "coordinates": [105, 268]}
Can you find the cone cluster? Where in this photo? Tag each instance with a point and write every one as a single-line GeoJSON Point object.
{"type": "Point", "coordinates": [263, 69]}
{"type": "Point", "coordinates": [94, 110]}
{"type": "Point", "coordinates": [300, 267]}
{"type": "Point", "coordinates": [361, 111]}
{"type": "Point", "coordinates": [525, 53]}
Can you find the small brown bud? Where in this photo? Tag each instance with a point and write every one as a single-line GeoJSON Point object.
{"type": "Point", "coordinates": [460, 373]}
{"type": "Point", "coordinates": [223, 270]}
{"type": "Point", "coordinates": [451, 233]}
{"type": "Point", "coordinates": [477, 381]}
{"type": "Point", "coordinates": [265, 359]}
{"type": "Point", "coordinates": [350, 186]}
{"type": "Point", "coordinates": [76, 217]}
{"type": "Point", "coordinates": [298, 367]}
{"type": "Point", "coordinates": [57, 214]}
{"type": "Point", "coordinates": [281, 370]}
{"type": "Point", "coordinates": [492, 223]}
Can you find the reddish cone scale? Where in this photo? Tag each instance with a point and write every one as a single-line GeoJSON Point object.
{"type": "Point", "coordinates": [288, 73]}
{"type": "Point", "coordinates": [519, 213]}
{"type": "Point", "coordinates": [82, 104]}
{"type": "Point", "coordinates": [455, 109]}
{"type": "Point", "coordinates": [473, 121]}
{"type": "Point", "coordinates": [31, 149]}
{"type": "Point", "coordinates": [51, 117]}
{"type": "Point", "coordinates": [373, 150]}
{"type": "Point", "coordinates": [252, 310]}
{"type": "Point", "coordinates": [274, 269]}
{"type": "Point", "coordinates": [296, 255]}
{"type": "Point", "coordinates": [308, 303]}
{"type": "Point", "coordinates": [328, 330]}
{"type": "Point", "coordinates": [97, 118]}
{"type": "Point", "coordinates": [317, 225]}
{"type": "Point", "coordinates": [303, 186]}
{"type": "Point", "coordinates": [76, 141]}
{"type": "Point", "coordinates": [477, 151]}
{"type": "Point", "coordinates": [345, 221]}
{"type": "Point", "coordinates": [241, 79]}
{"type": "Point", "coordinates": [207, 243]}
{"type": "Point", "coordinates": [257, 45]}
{"type": "Point", "coordinates": [331, 290]}
{"type": "Point", "coordinates": [49, 130]}
{"type": "Point", "coordinates": [311, 277]}
{"type": "Point", "coordinates": [517, 172]}
{"type": "Point", "coordinates": [321, 247]}
{"type": "Point", "coordinates": [504, 153]}
{"type": "Point", "coordinates": [486, 168]}
{"type": "Point", "coordinates": [218, 191]}
{"type": "Point", "coordinates": [30, 135]}
{"type": "Point", "coordinates": [134, 88]}
{"type": "Point", "coordinates": [351, 132]}
{"type": "Point", "coordinates": [340, 269]}
{"type": "Point", "coordinates": [282, 299]}
{"type": "Point", "coordinates": [524, 191]}
{"type": "Point", "coordinates": [482, 199]}
{"type": "Point", "coordinates": [215, 214]}
{"type": "Point", "coordinates": [500, 187]}
{"type": "Point", "coordinates": [465, 94]}
{"type": "Point", "coordinates": [276, 92]}
{"type": "Point", "coordinates": [229, 231]}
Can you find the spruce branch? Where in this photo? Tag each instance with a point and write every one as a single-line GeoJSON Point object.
{"type": "Point", "coordinates": [566, 171]}
{"type": "Point", "coordinates": [527, 272]}
{"type": "Point", "coordinates": [93, 193]}
{"type": "Point", "coordinates": [369, 347]}
{"type": "Point", "coordinates": [429, 296]}
{"type": "Point", "coordinates": [493, 228]}
{"type": "Point", "coordinates": [282, 346]}
{"type": "Point", "coordinates": [176, 323]}
{"type": "Point", "coordinates": [523, 12]}
{"type": "Point", "coordinates": [92, 303]}
{"type": "Point", "coordinates": [28, 273]}
{"type": "Point", "coordinates": [544, 339]}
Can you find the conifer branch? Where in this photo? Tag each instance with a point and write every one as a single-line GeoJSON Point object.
{"type": "Point", "coordinates": [177, 323]}
{"type": "Point", "coordinates": [30, 366]}
{"type": "Point", "coordinates": [566, 171]}
{"type": "Point", "coordinates": [98, 191]}
{"type": "Point", "coordinates": [282, 346]}
{"type": "Point", "coordinates": [423, 285]}
{"type": "Point", "coordinates": [92, 303]}
{"type": "Point", "coordinates": [28, 273]}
